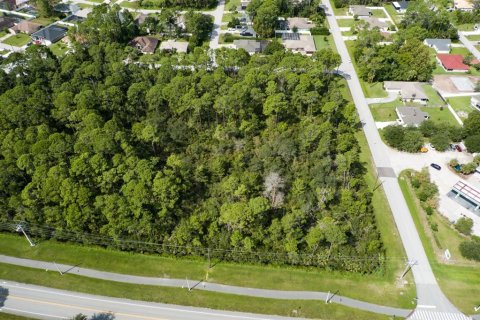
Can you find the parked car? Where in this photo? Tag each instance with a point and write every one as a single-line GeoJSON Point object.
{"type": "Point", "coordinates": [458, 148]}
{"type": "Point", "coordinates": [452, 147]}
{"type": "Point", "coordinates": [246, 34]}
{"type": "Point", "coordinates": [435, 166]}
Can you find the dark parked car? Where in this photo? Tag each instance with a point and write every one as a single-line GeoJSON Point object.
{"type": "Point", "coordinates": [459, 149]}
{"type": "Point", "coordinates": [435, 166]}
{"type": "Point", "coordinates": [246, 34]}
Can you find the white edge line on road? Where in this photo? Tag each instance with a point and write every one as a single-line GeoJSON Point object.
{"type": "Point", "coordinates": [139, 305]}
{"type": "Point", "coordinates": [35, 313]}
{"type": "Point", "coordinates": [426, 306]}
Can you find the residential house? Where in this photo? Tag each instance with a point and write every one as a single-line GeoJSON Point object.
{"type": "Point", "coordinates": [408, 91]}
{"type": "Point", "coordinates": [375, 23]}
{"type": "Point", "coordinates": [299, 43]}
{"type": "Point", "coordinates": [302, 24]}
{"type": "Point", "coordinates": [475, 102]}
{"type": "Point", "coordinates": [146, 45]}
{"type": "Point", "coordinates": [452, 62]}
{"type": "Point", "coordinates": [359, 11]}
{"type": "Point", "coordinates": [400, 6]}
{"type": "Point", "coordinates": [440, 45]}
{"type": "Point", "coordinates": [11, 4]}
{"type": "Point", "coordinates": [26, 26]}
{"type": "Point", "coordinates": [6, 23]}
{"type": "Point", "coordinates": [244, 4]}
{"type": "Point", "coordinates": [66, 8]}
{"type": "Point", "coordinates": [49, 35]}
{"type": "Point", "coordinates": [410, 116]}
{"type": "Point", "coordinates": [463, 5]}
{"type": "Point", "coordinates": [251, 46]}
{"type": "Point", "coordinates": [82, 14]}
{"type": "Point", "coordinates": [174, 46]}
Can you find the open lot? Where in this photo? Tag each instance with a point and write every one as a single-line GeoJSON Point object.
{"type": "Point", "coordinates": [379, 13]}
{"type": "Point", "coordinates": [344, 23]}
{"type": "Point", "coordinates": [383, 112]}
{"type": "Point", "coordinates": [322, 42]}
{"type": "Point", "coordinates": [17, 40]}
{"type": "Point", "coordinates": [461, 105]}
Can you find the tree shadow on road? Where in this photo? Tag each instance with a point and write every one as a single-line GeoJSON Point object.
{"type": "Point", "coordinates": [3, 296]}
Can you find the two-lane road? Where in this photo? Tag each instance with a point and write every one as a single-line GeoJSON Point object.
{"type": "Point", "coordinates": [431, 300]}
{"type": "Point", "coordinates": [45, 303]}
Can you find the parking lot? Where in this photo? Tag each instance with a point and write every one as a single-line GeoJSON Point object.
{"type": "Point", "coordinates": [444, 178]}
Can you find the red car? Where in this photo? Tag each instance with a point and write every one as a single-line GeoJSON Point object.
{"type": "Point", "coordinates": [459, 149]}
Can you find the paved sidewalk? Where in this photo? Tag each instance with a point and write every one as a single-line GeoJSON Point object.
{"type": "Point", "coordinates": [202, 285]}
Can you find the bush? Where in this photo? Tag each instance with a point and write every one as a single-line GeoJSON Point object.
{"type": "Point", "coordinates": [412, 141]}
{"type": "Point", "coordinates": [340, 3]}
{"type": "Point", "coordinates": [470, 250]}
{"type": "Point", "coordinates": [464, 225]}
{"type": "Point", "coordinates": [440, 141]}
{"type": "Point", "coordinates": [453, 163]}
{"type": "Point", "coordinates": [320, 31]}
{"type": "Point", "coordinates": [473, 143]}
{"type": "Point", "coordinates": [468, 168]}
{"type": "Point", "coordinates": [233, 23]}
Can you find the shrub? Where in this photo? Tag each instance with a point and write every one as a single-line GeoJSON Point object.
{"type": "Point", "coordinates": [473, 143]}
{"type": "Point", "coordinates": [429, 210]}
{"type": "Point", "coordinates": [320, 31]}
{"type": "Point", "coordinates": [440, 141]}
{"type": "Point", "coordinates": [412, 141]}
{"type": "Point", "coordinates": [464, 225]}
{"type": "Point", "coordinates": [453, 163]}
{"type": "Point", "coordinates": [470, 250]}
{"type": "Point", "coordinates": [469, 168]}
{"type": "Point", "coordinates": [394, 135]}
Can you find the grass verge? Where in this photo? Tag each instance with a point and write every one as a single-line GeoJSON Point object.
{"type": "Point", "coordinates": [385, 111]}
{"type": "Point", "coordinates": [7, 316]}
{"type": "Point", "coordinates": [460, 283]}
{"type": "Point", "coordinates": [323, 42]}
{"type": "Point", "coordinates": [303, 308]}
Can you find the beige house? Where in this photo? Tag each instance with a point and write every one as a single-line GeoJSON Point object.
{"type": "Point", "coordinates": [408, 91]}
{"type": "Point", "coordinates": [302, 24]}
{"type": "Point", "coordinates": [464, 5]}
{"type": "Point", "coordinates": [299, 43]}
{"type": "Point", "coordinates": [172, 45]}
{"type": "Point", "coordinates": [27, 27]}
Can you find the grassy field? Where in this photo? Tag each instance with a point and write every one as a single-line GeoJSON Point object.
{"type": "Point", "coordinates": [440, 115]}
{"type": "Point", "coordinates": [6, 316]}
{"type": "Point", "coordinates": [17, 40]}
{"type": "Point", "coordinates": [466, 27]}
{"type": "Point", "coordinates": [84, 5]}
{"type": "Point", "coordinates": [460, 50]}
{"type": "Point", "coordinates": [227, 17]}
{"type": "Point", "coordinates": [460, 104]}
{"type": "Point", "coordinates": [232, 4]}
{"type": "Point", "coordinates": [45, 21]}
{"type": "Point", "coordinates": [3, 34]}
{"type": "Point", "coordinates": [378, 13]}
{"type": "Point", "coordinates": [343, 23]}
{"type": "Point", "coordinates": [385, 111]}
{"type": "Point", "coordinates": [59, 49]}
{"type": "Point", "coordinates": [474, 37]}
{"type": "Point", "coordinates": [434, 100]}
{"type": "Point", "coordinates": [322, 42]}
{"type": "Point", "coordinates": [130, 5]}
{"type": "Point", "coordinates": [393, 14]}
{"type": "Point", "coordinates": [302, 308]}
{"type": "Point", "coordinates": [374, 90]}
{"type": "Point", "coordinates": [459, 282]}
{"type": "Point", "coordinates": [339, 11]}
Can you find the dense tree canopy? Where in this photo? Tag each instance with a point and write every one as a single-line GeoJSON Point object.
{"type": "Point", "coordinates": [258, 154]}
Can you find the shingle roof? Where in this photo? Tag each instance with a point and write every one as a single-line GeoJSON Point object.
{"type": "Point", "coordinates": [304, 43]}
{"type": "Point", "coordinates": [51, 33]}
{"type": "Point", "coordinates": [251, 46]}
{"type": "Point", "coordinates": [300, 23]}
{"type": "Point", "coordinates": [145, 44]}
{"type": "Point", "coordinates": [374, 22]}
{"type": "Point", "coordinates": [439, 44]}
{"type": "Point", "coordinates": [408, 90]}
{"type": "Point", "coordinates": [360, 10]}
{"type": "Point", "coordinates": [174, 45]}
{"type": "Point", "coordinates": [411, 115]}
{"type": "Point", "coordinates": [27, 27]}
{"type": "Point", "coordinates": [6, 22]}
{"type": "Point", "coordinates": [452, 62]}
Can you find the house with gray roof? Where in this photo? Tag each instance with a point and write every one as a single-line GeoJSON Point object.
{"type": "Point", "coordinates": [302, 24]}
{"type": "Point", "coordinates": [251, 46]}
{"type": "Point", "coordinates": [410, 116]}
{"type": "Point", "coordinates": [6, 22]}
{"type": "Point", "coordinates": [49, 35]}
{"type": "Point", "coordinates": [440, 45]}
{"type": "Point", "coordinates": [359, 11]}
{"type": "Point", "coordinates": [408, 91]}
{"type": "Point", "coordinates": [374, 22]}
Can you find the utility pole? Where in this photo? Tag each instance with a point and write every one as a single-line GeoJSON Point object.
{"type": "Point", "coordinates": [20, 228]}
{"type": "Point", "coordinates": [410, 264]}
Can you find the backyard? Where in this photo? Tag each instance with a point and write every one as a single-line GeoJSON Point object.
{"type": "Point", "coordinates": [18, 40]}
{"type": "Point", "coordinates": [461, 105]}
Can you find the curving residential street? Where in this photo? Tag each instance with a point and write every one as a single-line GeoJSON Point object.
{"type": "Point", "coordinates": [431, 303]}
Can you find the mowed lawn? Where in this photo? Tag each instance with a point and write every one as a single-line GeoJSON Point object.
{"type": "Point", "coordinates": [383, 112]}
{"type": "Point", "coordinates": [18, 40]}
{"type": "Point", "coordinates": [343, 23]}
{"type": "Point", "coordinates": [460, 283]}
{"type": "Point", "coordinates": [440, 115]}
{"type": "Point", "coordinates": [461, 105]}
{"type": "Point", "coordinates": [325, 42]}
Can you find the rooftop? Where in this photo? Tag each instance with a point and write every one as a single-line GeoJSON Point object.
{"type": "Point", "coordinates": [439, 44]}
{"type": "Point", "coordinates": [375, 22]}
{"type": "Point", "coordinates": [357, 10]}
{"type": "Point", "coordinates": [411, 115]}
{"type": "Point", "coordinates": [300, 23]}
{"type": "Point", "coordinates": [251, 46]}
{"type": "Point", "coordinates": [27, 27]}
{"type": "Point", "coordinates": [51, 33]}
{"type": "Point", "coordinates": [145, 44]}
{"type": "Point", "coordinates": [408, 90]}
{"type": "Point", "coordinates": [301, 43]}
{"type": "Point", "coordinates": [452, 62]}
{"type": "Point", "coordinates": [178, 46]}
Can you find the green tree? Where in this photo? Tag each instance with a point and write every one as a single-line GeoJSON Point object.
{"type": "Point", "coordinates": [464, 225]}
{"type": "Point", "coordinates": [470, 249]}
{"type": "Point", "coordinates": [265, 19]}
{"type": "Point", "coordinates": [199, 25]}
{"type": "Point", "coordinates": [473, 143]}
{"type": "Point", "coordinates": [440, 142]}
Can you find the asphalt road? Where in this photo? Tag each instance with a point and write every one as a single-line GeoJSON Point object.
{"type": "Point", "coordinates": [207, 286]}
{"type": "Point", "coordinates": [430, 297]}
{"type": "Point", "coordinates": [45, 303]}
